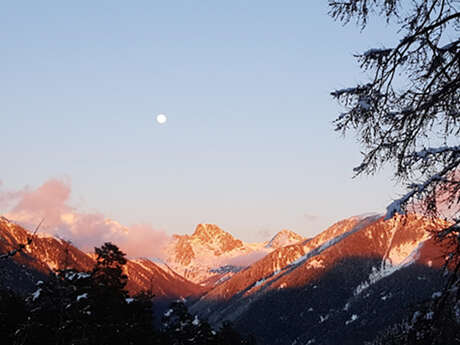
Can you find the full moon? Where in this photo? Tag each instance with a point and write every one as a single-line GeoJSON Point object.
{"type": "Point", "coordinates": [161, 118]}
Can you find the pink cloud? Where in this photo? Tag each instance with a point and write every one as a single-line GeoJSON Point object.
{"type": "Point", "coordinates": [8, 197]}
{"type": "Point", "coordinates": [48, 201]}
{"type": "Point", "coordinates": [248, 259]}
{"type": "Point", "coordinates": [144, 240]}
{"type": "Point", "coordinates": [310, 217]}
{"type": "Point", "coordinates": [264, 234]}
{"type": "Point", "coordinates": [86, 230]}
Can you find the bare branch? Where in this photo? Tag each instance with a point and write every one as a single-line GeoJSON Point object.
{"type": "Point", "coordinates": [22, 246]}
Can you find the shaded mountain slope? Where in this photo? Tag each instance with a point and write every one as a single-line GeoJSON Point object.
{"type": "Point", "coordinates": [355, 270]}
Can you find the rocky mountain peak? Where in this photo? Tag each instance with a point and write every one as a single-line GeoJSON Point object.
{"type": "Point", "coordinates": [212, 236]}
{"type": "Point", "coordinates": [207, 232]}
{"type": "Point", "coordinates": [283, 238]}
{"type": "Point", "coordinates": [184, 253]}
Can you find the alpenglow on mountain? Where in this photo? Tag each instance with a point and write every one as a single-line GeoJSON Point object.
{"type": "Point", "coordinates": [46, 254]}
{"type": "Point", "coordinates": [350, 282]}
{"type": "Point", "coordinates": [211, 253]}
{"type": "Point", "coordinates": [362, 273]}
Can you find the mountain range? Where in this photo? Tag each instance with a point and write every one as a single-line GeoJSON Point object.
{"type": "Point", "coordinates": [354, 279]}
{"type": "Point", "coordinates": [351, 281]}
{"type": "Point", "coordinates": [210, 254]}
{"type": "Point", "coordinates": [46, 254]}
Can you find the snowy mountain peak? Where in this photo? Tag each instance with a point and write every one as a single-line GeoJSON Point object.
{"type": "Point", "coordinates": [201, 255]}
{"type": "Point", "coordinates": [212, 236]}
{"type": "Point", "coordinates": [206, 232]}
{"type": "Point", "coordinates": [284, 238]}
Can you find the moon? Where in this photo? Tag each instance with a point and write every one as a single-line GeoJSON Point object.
{"type": "Point", "coordinates": [161, 118]}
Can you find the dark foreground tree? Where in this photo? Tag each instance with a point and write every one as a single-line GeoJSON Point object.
{"type": "Point", "coordinates": [408, 116]}
{"type": "Point", "coordinates": [87, 308]}
{"type": "Point", "coordinates": [94, 308]}
{"type": "Point", "coordinates": [13, 313]}
{"type": "Point", "coordinates": [182, 328]}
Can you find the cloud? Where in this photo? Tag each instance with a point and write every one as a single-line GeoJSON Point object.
{"type": "Point", "coordinates": [8, 197]}
{"type": "Point", "coordinates": [48, 201]}
{"type": "Point", "coordinates": [248, 259]}
{"type": "Point", "coordinates": [51, 201]}
{"type": "Point", "coordinates": [264, 234]}
{"type": "Point", "coordinates": [144, 240]}
{"type": "Point", "coordinates": [310, 217]}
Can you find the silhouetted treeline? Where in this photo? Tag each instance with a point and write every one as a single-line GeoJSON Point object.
{"type": "Point", "coordinates": [94, 308]}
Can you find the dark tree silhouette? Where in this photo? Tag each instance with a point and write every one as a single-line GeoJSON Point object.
{"type": "Point", "coordinates": [108, 271]}
{"type": "Point", "coordinates": [91, 307]}
{"type": "Point", "coordinates": [182, 328]}
{"type": "Point", "coordinates": [13, 313]}
{"type": "Point", "coordinates": [94, 308]}
{"type": "Point", "coordinates": [411, 102]}
{"type": "Point", "coordinates": [408, 116]}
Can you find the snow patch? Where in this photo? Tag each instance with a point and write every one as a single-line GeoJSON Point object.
{"type": "Point", "coordinates": [436, 294]}
{"type": "Point", "coordinates": [196, 321]}
{"type": "Point", "coordinates": [82, 296]}
{"type": "Point", "coordinates": [323, 318]}
{"type": "Point", "coordinates": [398, 255]}
{"type": "Point", "coordinates": [384, 298]}
{"type": "Point", "coordinates": [259, 282]}
{"type": "Point", "coordinates": [353, 318]}
{"type": "Point", "coordinates": [315, 263]}
{"type": "Point", "coordinates": [36, 294]}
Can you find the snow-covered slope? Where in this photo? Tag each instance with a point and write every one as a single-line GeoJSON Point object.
{"type": "Point", "coordinates": [199, 256]}
{"type": "Point", "coordinates": [211, 255]}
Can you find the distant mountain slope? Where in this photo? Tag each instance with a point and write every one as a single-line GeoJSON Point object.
{"type": "Point", "coordinates": [275, 261]}
{"type": "Point", "coordinates": [47, 253]}
{"type": "Point", "coordinates": [284, 238]}
{"type": "Point", "coordinates": [352, 278]}
{"type": "Point", "coordinates": [144, 274]}
{"type": "Point", "coordinates": [211, 255]}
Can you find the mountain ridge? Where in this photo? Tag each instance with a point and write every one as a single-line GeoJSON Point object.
{"type": "Point", "coordinates": [199, 256]}
{"type": "Point", "coordinates": [46, 254]}
{"type": "Point", "coordinates": [327, 279]}
{"type": "Point", "coordinates": [360, 273]}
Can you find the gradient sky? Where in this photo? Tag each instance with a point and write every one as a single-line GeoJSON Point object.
{"type": "Point", "coordinates": [249, 143]}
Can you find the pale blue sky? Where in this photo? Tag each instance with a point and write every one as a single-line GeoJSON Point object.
{"type": "Point", "coordinates": [249, 144]}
